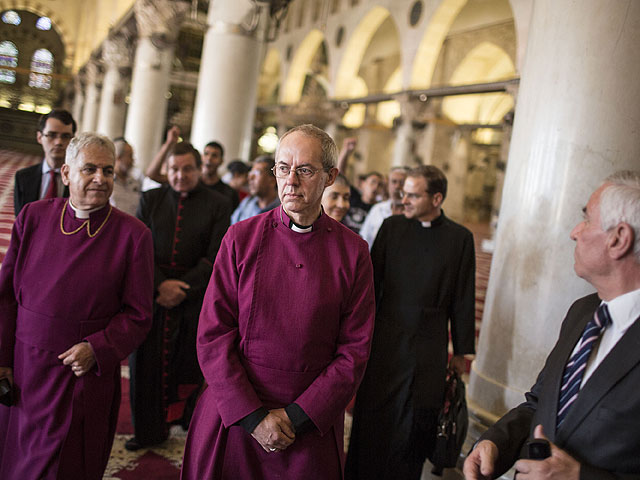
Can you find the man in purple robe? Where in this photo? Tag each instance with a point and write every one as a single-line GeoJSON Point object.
{"type": "Point", "coordinates": [75, 299]}
{"type": "Point", "coordinates": [284, 332]}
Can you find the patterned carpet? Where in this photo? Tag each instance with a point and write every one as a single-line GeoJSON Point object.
{"type": "Point", "coordinates": [163, 462]}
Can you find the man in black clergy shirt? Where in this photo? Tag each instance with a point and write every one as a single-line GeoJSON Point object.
{"type": "Point", "coordinates": [424, 275]}
{"type": "Point", "coordinates": [187, 222]}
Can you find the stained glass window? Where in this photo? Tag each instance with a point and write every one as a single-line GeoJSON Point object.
{"type": "Point", "coordinates": [11, 17]}
{"type": "Point", "coordinates": [43, 23]}
{"type": "Point", "coordinates": [41, 69]}
{"type": "Point", "coordinates": [8, 58]}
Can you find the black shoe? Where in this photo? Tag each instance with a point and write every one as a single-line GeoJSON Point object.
{"type": "Point", "coordinates": [133, 444]}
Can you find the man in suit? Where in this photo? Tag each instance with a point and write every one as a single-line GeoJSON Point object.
{"type": "Point", "coordinates": [55, 131]}
{"type": "Point", "coordinates": [586, 400]}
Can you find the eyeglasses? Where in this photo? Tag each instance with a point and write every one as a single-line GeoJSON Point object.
{"type": "Point", "coordinates": [54, 135]}
{"type": "Point", "coordinates": [282, 170]}
{"type": "Point", "coordinates": [411, 196]}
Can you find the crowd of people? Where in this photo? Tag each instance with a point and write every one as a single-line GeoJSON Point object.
{"type": "Point", "coordinates": [246, 309]}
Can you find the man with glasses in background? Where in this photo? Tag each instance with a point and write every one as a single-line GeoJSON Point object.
{"type": "Point", "coordinates": [284, 331]}
{"type": "Point", "coordinates": [55, 131]}
{"type": "Point", "coordinates": [424, 270]}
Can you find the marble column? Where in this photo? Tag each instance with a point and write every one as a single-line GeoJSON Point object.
{"type": "Point", "coordinates": [78, 99]}
{"type": "Point", "coordinates": [577, 121]}
{"type": "Point", "coordinates": [115, 56]}
{"type": "Point", "coordinates": [227, 85]}
{"type": "Point", "coordinates": [158, 24]}
{"type": "Point", "coordinates": [405, 134]}
{"type": "Point", "coordinates": [457, 174]}
{"type": "Point", "coordinates": [92, 98]}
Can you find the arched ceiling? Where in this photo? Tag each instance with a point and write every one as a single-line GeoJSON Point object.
{"type": "Point", "coordinates": [300, 66]}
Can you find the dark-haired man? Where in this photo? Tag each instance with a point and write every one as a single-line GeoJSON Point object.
{"type": "Point", "coordinates": [187, 222]}
{"type": "Point", "coordinates": [212, 158]}
{"type": "Point", "coordinates": [55, 131]}
{"type": "Point", "coordinates": [262, 189]}
{"type": "Point", "coordinates": [424, 274]}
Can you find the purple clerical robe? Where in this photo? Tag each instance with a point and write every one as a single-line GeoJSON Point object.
{"type": "Point", "coordinates": [287, 318]}
{"type": "Point", "coordinates": [59, 288]}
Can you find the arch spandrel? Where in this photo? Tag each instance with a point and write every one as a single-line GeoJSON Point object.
{"type": "Point", "coordinates": [270, 75]}
{"type": "Point", "coordinates": [356, 47]}
{"type": "Point", "coordinates": [428, 52]}
{"type": "Point", "coordinates": [302, 58]}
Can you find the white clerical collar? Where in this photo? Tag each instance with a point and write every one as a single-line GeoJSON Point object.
{"type": "Point", "coordinates": [624, 310]}
{"type": "Point", "coordinates": [426, 224]}
{"type": "Point", "coordinates": [292, 225]}
{"type": "Point", "coordinates": [84, 213]}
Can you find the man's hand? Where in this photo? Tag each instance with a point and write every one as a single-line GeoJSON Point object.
{"type": "Point", "coordinates": [6, 372]}
{"type": "Point", "coordinates": [457, 364]}
{"type": "Point", "coordinates": [275, 431]}
{"type": "Point", "coordinates": [173, 135]}
{"type": "Point", "coordinates": [171, 293]}
{"type": "Point", "coordinates": [559, 466]}
{"type": "Point", "coordinates": [480, 463]}
{"type": "Point", "coordinates": [80, 358]}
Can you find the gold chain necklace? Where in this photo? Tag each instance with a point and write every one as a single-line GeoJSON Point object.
{"type": "Point", "coordinates": [86, 222]}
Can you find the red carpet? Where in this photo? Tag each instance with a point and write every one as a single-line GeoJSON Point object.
{"type": "Point", "coordinates": [163, 462]}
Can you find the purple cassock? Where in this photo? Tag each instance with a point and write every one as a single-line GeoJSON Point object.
{"type": "Point", "coordinates": [59, 288]}
{"type": "Point", "coordinates": [287, 318]}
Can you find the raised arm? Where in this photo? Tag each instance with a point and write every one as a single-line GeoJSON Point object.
{"type": "Point", "coordinates": [154, 170]}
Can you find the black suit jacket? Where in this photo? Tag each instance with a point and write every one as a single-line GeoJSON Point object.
{"type": "Point", "coordinates": [602, 429]}
{"type": "Point", "coordinates": [27, 187]}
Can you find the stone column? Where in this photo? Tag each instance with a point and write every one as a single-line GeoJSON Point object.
{"type": "Point", "coordinates": [457, 174]}
{"type": "Point", "coordinates": [577, 121]}
{"type": "Point", "coordinates": [405, 133]}
{"type": "Point", "coordinates": [92, 98]}
{"type": "Point", "coordinates": [115, 55]}
{"type": "Point", "coordinates": [158, 24]}
{"type": "Point", "coordinates": [78, 100]}
{"type": "Point", "coordinates": [227, 85]}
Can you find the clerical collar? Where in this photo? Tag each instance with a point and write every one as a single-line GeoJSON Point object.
{"type": "Point", "coordinates": [426, 224]}
{"type": "Point", "coordinates": [293, 225]}
{"type": "Point", "coordinates": [84, 213]}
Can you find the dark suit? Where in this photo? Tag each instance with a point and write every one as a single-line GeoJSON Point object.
{"type": "Point", "coordinates": [602, 428]}
{"type": "Point", "coordinates": [27, 187]}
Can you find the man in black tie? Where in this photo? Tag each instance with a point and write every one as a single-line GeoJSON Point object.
{"type": "Point", "coordinates": [55, 131]}
{"type": "Point", "coordinates": [586, 400]}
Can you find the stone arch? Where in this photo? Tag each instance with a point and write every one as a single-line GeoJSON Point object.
{"type": "Point", "coordinates": [431, 43]}
{"type": "Point", "coordinates": [484, 63]}
{"type": "Point", "coordinates": [292, 90]}
{"type": "Point", "coordinates": [355, 50]}
{"type": "Point", "coordinates": [269, 79]}
{"type": "Point", "coordinates": [56, 21]}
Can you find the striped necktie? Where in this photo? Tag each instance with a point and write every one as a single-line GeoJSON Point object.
{"type": "Point", "coordinates": [574, 370]}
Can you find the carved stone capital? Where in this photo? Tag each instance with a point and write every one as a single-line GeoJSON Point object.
{"type": "Point", "coordinates": [160, 20]}
{"type": "Point", "coordinates": [116, 52]}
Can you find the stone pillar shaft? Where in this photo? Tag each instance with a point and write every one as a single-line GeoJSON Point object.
{"type": "Point", "coordinates": [112, 106]}
{"type": "Point", "coordinates": [91, 100]}
{"type": "Point", "coordinates": [577, 122]}
{"type": "Point", "coordinates": [227, 85]}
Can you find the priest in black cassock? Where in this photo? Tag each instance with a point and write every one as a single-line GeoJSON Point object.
{"type": "Point", "coordinates": [187, 222]}
{"type": "Point", "coordinates": [424, 274]}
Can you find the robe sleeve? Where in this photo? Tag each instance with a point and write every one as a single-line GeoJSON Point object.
{"type": "Point", "coordinates": [129, 327]}
{"type": "Point", "coordinates": [217, 340]}
{"type": "Point", "coordinates": [199, 275]}
{"type": "Point", "coordinates": [330, 393]}
{"type": "Point", "coordinates": [8, 302]}
{"type": "Point", "coordinates": [144, 215]}
{"type": "Point", "coordinates": [462, 314]}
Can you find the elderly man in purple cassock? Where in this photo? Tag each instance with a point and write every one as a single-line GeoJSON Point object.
{"type": "Point", "coordinates": [284, 332]}
{"type": "Point", "coordinates": [75, 299]}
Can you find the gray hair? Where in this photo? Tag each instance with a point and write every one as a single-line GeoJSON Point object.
{"type": "Point", "coordinates": [620, 202]}
{"type": "Point", "coordinates": [329, 148]}
{"type": "Point", "coordinates": [87, 139]}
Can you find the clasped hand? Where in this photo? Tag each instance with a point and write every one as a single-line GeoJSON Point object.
{"type": "Point", "coordinates": [80, 358]}
{"type": "Point", "coordinates": [275, 431]}
{"type": "Point", "coordinates": [171, 293]}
